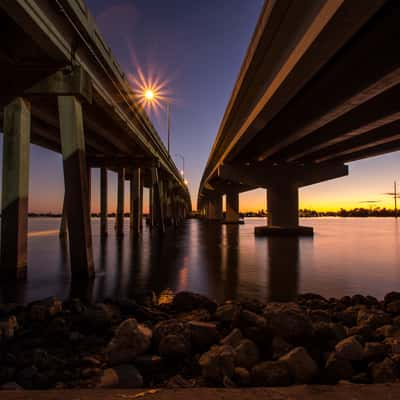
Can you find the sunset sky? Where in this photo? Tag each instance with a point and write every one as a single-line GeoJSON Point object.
{"type": "Point", "coordinates": [196, 48]}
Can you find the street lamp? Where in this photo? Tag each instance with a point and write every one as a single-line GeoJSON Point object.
{"type": "Point", "coordinates": [151, 96]}
{"type": "Point", "coordinates": [183, 163]}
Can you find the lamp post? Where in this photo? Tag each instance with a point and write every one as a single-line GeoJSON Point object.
{"type": "Point", "coordinates": [150, 95]}
{"type": "Point", "coordinates": [183, 163]}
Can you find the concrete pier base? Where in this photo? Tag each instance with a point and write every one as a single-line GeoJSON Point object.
{"type": "Point", "coordinates": [76, 186]}
{"type": "Point", "coordinates": [136, 202]}
{"type": "Point", "coordinates": [14, 206]}
{"type": "Point", "coordinates": [283, 212]}
{"type": "Point", "coordinates": [119, 219]}
{"type": "Point", "coordinates": [232, 208]}
{"type": "Point", "coordinates": [103, 202]}
{"type": "Point", "coordinates": [283, 231]}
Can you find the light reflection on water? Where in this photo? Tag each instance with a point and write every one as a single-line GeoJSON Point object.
{"type": "Point", "coordinates": [346, 256]}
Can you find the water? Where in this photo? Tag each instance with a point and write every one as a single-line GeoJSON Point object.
{"type": "Point", "coordinates": [346, 256]}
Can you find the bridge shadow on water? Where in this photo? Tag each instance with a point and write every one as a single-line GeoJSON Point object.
{"type": "Point", "coordinates": [222, 261]}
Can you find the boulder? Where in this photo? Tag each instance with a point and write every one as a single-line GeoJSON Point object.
{"type": "Point", "coordinates": [349, 349]}
{"type": "Point", "coordinates": [337, 369]}
{"type": "Point", "coordinates": [280, 347]}
{"type": "Point", "coordinates": [271, 373]}
{"type": "Point", "coordinates": [241, 376]}
{"type": "Point", "coordinates": [384, 371]}
{"type": "Point", "coordinates": [247, 354]}
{"type": "Point", "coordinates": [251, 318]}
{"type": "Point", "coordinates": [347, 317]}
{"type": "Point", "coordinates": [203, 334]}
{"type": "Point", "coordinates": [319, 315]}
{"type": "Point", "coordinates": [228, 312]}
{"type": "Point", "coordinates": [287, 320]}
{"type": "Point", "coordinates": [388, 331]}
{"type": "Point", "coordinates": [329, 331]}
{"type": "Point", "coordinates": [131, 339]}
{"type": "Point", "coordinates": [217, 363]}
{"type": "Point", "coordinates": [172, 338]}
{"type": "Point", "coordinates": [187, 301]}
{"type": "Point", "coordinates": [200, 314]}
{"type": "Point", "coordinates": [43, 309]}
{"type": "Point", "coordinates": [391, 296]}
{"type": "Point", "coordinates": [394, 344]}
{"type": "Point", "coordinates": [233, 339]}
{"type": "Point", "coordinates": [122, 376]}
{"type": "Point", "coordinates": [8, 325]}
{"type": "Point", "coordinates": [375, 350]}
{"type": "Point", "coordinates": [302, 367]}
{"type": "Point", "coordinates": [373, 317]}
{"type": "Point", "coordinates": [393, 307]}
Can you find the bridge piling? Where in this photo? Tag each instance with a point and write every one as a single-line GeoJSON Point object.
{"type": "Point", "coordinates": [76, 186]}
{"type": "Point", "coordinates": [119, 221]}
{"type": "Point", "coordinates": [136, 201]}
{"type": "Point", "coordinates": [103, 202]}
{"type": "Point", "coordinates": [232, 208]}
{"type": "Point", "coordinates": [63, 224]}
{"type": "Point", "coordinates": [14, 221]}
{"type": "Point", "coordinates": [214, 209]}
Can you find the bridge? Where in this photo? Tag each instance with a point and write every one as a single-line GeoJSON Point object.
{"type": "Point", "coordinates": [319, 87]}
{"type": "Point", "coordinates": [61, 88]}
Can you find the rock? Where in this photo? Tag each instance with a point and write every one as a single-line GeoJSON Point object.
{"type": "Point", "coordinates": [178, 381]}
{"type": "Point", "coordinates": [187, 301]}
{"type": "Point", "coordinates": [319, 316]}
{"type": "Point", "coordinates": [247, 354]}
{"type": "Point", "coordinates": [347, 317]}
{"type": "Point", "coordinates": [8, 325]}
{"type": "Point", "coordinates": [228, 312]}
{"type": "Point", "coordinates": [122, 376]}
{"type": "Point", "coordinates": [94, 320]}
{"type": "Point", "coordinates": [287, 320]}
{"type": "Point", "coordinates": [388, 331]}
{"type": "Point", "coordinates": [391, 296]}
{"type": "Point", "coordinates": [364, 331]}
{"type": "Point", "coordinates": [375, 350]}
{"type": "Point", "coordinates": [251, 318]}
{"type": "Point", "coordinates": [329, 331]}
{"type": "Point", "coordinates": [203, 334]}
{"type": "Point", "coordinates": [361, 378]}
{"type": "Point", "coordinates": [11, 386]}
{"type": "Point", "coordinates": [394, 344]}
{"type": "Point", "coordinates": [131, 339]}
{"type": "Point", "coordinates": [241, 376]}
{"type": "Point", "coordinates": [217, 363]}
{"type": "Point", "coordinates": [26, 377]}
{"type": "Point", "coordinates": [233, 339]}
{"type": "Point", "coordinates": [337, 369]}
{"type": "Point", "coordinates": [91, 372]}
{"type": "Point", "coordinates": [174, 346]}
{"type": "Point", "coordinates": [358, 299]}
{"type": "Point", "coordinates": [172, 338]}
{"type": "Point", "coordinates": [41, 310]}
{"type": "Point", "coordinates": [201, 315]}
{"type": "Point", "coordinates": [280, 347]}
{"type": "Point", "coordinates": [393, 307]}
{"type": "Point", "coordinates": [91, 361]}
{"type": "Point", "coordinates": [271, 373]}
{"type": "Point", "coordinates": [371, 301]}
{"type": "Point", "coordinates": [148, 362]}
{"type": "Point", "coordinates": [373, 317]}
{"type": "Point", "coordinates": [302, 367]}
{"type": "Point", "coordinates": [349, 349]}
{"type": "Point", "coordinates": [384, 371]}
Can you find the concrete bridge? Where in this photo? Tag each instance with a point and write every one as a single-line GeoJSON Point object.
{"type": "Point", "coordinates": [319, 87]}
{"type": "Point", "coordinates": [61, 88]}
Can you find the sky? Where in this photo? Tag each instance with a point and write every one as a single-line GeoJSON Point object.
{"type": "Point", "coordinates": [195, 48]}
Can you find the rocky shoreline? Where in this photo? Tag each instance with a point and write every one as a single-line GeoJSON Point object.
{"type": "Point", "coordinates": [190, 341]}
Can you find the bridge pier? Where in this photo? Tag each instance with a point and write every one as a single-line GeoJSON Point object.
{"type": "Point", "coordinates": [14, 221]}
{"type": "Point", "coordinates": [214, 208]}
{"type": "Point", "coordinates": [283, 212]}
{"type": "Point", "coordinates": [136, 201]}
{"type": "Point", "coordinates": [119, 220]}
{"type": "Point", "coordinates": [232, 208]}
{"type": "Point", "coordinates": [103, 202]}
{"type": "Point", "coordinates": [63, 224]}
{"type": "Point", "coordinates": [76, 186]}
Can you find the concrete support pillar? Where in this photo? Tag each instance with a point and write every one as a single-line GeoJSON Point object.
{"type": "Point", "coordinates": [119, 221]}
{"type": "Point", "coordinates": [214, 211]}
{"type": "Point", "coordinates": [283, 211]}
{"type": "Point", "coordinates": [232, 207]}
{"type": "Point", "coordinates": [14, 221]}
{"type": "Point", "coordinates": [157, 217]}
{"type": "Point", "coordinates": [76, 186]}
{"type": "Point", "coordinates": [63, 225]}
{"type": "Point", "coordinates": [136, 202]}
{"type": "Point", "coordinates": [283, 205]}
{"type": "Point", "coordinates": [103, 202]}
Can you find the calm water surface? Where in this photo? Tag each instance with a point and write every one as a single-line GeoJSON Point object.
{"type": "Point", "coordinates": [346, 256]}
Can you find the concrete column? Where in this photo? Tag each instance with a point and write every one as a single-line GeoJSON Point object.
{"type": "Point", "coordinates": [141, 200]}
{"type": "Point", "coordinates": [63, 225]}
{"type": "Point", "coordinates": [232, 207]}
{"type": "Point", "coordinates": [89, 174]}
{"type": "Point", "coordinates": [283, 205]}
{"type": "Point", "coordinates": [119, 222]}
{"type": "Point", "coordinates": [103, 202]}
{"type": "Point", "coordinates": [214, 211]}
{"type": "Point", "coordinates": [76, 186]}
{"type": "Point", "coordinates": [156, 201]}
{"type": "Point", "coordinates": [14, 221]}
{"type": "Point", "coordinates": [136, 202]}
